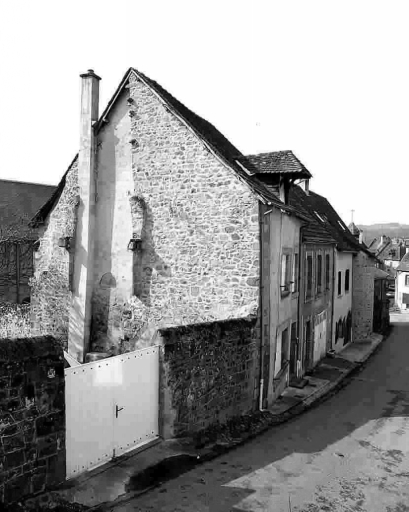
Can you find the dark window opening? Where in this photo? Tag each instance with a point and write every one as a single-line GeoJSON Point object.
{"type": "Point", "coordinates": [308, 277]}
{"type": "Point", "coordinates": [327, 271]}
{"type": "Point", "coordinates": [339, 283]}
{"type": "Point", "coordinates": [319, 273]}
{"type": "Point", "coordinates": [347, 281]}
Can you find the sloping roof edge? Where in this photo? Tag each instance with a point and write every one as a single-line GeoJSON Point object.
{"type": "Point", "coordinates": [43, 212]}
{"type": "Point", "coordinates": [257, 187]}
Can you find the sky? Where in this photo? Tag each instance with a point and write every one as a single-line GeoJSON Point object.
{"type": "Point", "coordinates": [328, 79]}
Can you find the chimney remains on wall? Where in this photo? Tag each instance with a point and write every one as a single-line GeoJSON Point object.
{"type": "Point", "coordinates": [80, 313]}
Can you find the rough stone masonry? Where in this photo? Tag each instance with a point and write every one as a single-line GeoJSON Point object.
{"type": "Point", "coordinates": [32, 417]}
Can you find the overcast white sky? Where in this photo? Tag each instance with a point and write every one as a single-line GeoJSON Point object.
{"type": "Point", "coordinates": [327, 79]}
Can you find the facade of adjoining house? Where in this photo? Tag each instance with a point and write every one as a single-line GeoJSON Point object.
{"type": "Point", "coordinates": [162, 230]}
{"type": "Point", "coordinates": [316, 285]}
{"type": "Point", "coordinates": [346, 249]}
{"type": "Point", "coordinates": [280, 272]}
{"type": "Point", "coordinates": [402, 283]}
{"type": "Point", "coordinates": [19, 201]}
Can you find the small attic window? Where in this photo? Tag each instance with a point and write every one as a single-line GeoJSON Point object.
{"type": "Point", "coordinates": [343, 227]}
{"type": "Point", "coordinates": [319, 216]}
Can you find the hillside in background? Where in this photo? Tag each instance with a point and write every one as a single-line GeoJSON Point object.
{"type": "Point", "coordinates": [393, 229]}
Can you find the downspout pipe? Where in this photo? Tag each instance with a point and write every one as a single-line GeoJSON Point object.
{"type": "Point", "coordinates": [261, 291]}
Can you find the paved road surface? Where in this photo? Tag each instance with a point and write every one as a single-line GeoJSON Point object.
{"type": "Point", "coordinates": [348, 454]}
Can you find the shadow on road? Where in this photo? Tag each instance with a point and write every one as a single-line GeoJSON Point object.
{"type": "Point", "coordinates": [378, 392]}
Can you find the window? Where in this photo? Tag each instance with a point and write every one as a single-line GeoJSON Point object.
{"type": "Point", "coordinates": [319, 273]}
{"type": "Point", "coordinates": [296, 263]}
{"type": "Point", "coordinates": [406, 280]}
{"type": "Point", "coordinates": [327, 271]}
{"type": "Point", "coordinates": [308, 277]}
{"type": "Point", "coordinates": [319, 216]}
{"type": "Point", "coordinates": [285, 274]}
{"type": "Point", "coordinates": [347, 281]}
{"type": "Point", "coordinates": [339, 283]}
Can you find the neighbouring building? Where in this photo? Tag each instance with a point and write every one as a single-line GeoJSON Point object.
{"type": "Point", "coordinates": [402, 283]}
{"type": "Point", "coordinates": [365, 266]}
{"type": "Point", "coordinates": [161, 231]}
{"type": "Point", "coordinates": [394, 255]}
{"type": "Point", "coordinates": [380, 247]}
{"type": "Point", "coordinates": [346, 249]}
{"type": "Point", "coordinates": [316, 285]}
{"type": "Point", "coordinates": [19, 201]}
{"type": "Point", "coordinates": [280, 271]}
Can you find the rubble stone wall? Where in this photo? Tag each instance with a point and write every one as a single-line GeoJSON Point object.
{"type": "Point", "coordinates": [32, 417]}
{"type": "Point", "coordinates": [210, 373]}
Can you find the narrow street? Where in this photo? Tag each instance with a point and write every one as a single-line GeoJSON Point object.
{"type": "Point", "coordinates": [347, 454]}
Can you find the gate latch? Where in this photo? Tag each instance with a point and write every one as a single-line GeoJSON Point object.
{"type": "Point", "coordinates": [117, 409]}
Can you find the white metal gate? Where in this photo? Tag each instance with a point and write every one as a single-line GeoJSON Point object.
{"type": "Point", "coordinates": [112, 407]}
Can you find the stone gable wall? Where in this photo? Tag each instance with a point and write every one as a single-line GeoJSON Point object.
{"type": "Point", "coordinates": [199, 258]}
{"type": "Point", "coordinates": [50, 286]}
{"type": "Point", "coordinates": [32, 417]}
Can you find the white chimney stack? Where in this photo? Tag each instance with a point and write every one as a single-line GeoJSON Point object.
{"type": "Point", "coordinates": [305, 185]}
{"type": "Point", "coordinates": [80, 313]}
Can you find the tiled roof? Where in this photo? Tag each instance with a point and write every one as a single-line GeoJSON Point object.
{"type": "Point", "coordinates": [334, 224]}
{"type": "Point", "coordinates": [314, 231]}
{"type": "Point", "coordinates": [19, 201]}
{"type": "Point", "coordinates": [381, 274]}
{"type": "Point", "coordinates": [404, 264]}
{"type": "Point", "coordinates": [282, 162]}
{"type": "Point", "coordinates": [214, 139]}
{"type": "Point", "coordinates": [326, 225]}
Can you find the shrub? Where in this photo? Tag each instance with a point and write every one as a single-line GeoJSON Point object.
{"type": "Point", "coordinates": [14, 320]}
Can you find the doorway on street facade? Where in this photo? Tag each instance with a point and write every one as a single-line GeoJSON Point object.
{"type": "Point", "coordinates": [308, 346]}
{"type": "Point", "coordinates": [293, 351]}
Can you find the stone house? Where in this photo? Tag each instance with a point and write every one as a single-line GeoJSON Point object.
{"type": "Point", "coordinates": [19, 201]}
{"type": "Point", "coordinates": [162, 232]}
{"type": "Point", "coordinates": [402, 283]}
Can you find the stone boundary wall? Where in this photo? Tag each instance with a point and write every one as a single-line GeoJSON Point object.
{"type": "Point", "coordinates": [210, 373]}
{"type": "Point", "coordinates": [32, 417]}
